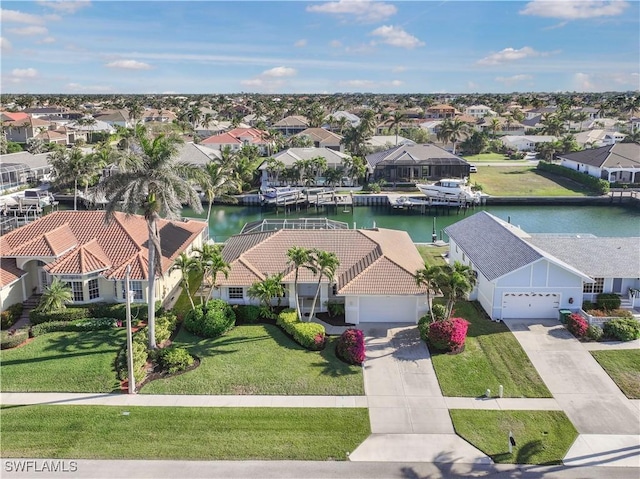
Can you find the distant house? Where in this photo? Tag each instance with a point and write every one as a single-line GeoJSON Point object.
{"type": "Point", "coordinates": [239, 137]}
{"type": "Point", "coordinates": [479, 111]}
{"type": "Point", "coordinates": [384, 142]}
{"type": "Point", "coordinates": [24, 129]}
{"type": "Point", "coordinates": [335, 159]}
{"type": "Point", "coordinates": [525, 143]}
{"type": "Point", "coordinates": [80, 249]}
{"type": "Point", "coordinates": [291, 125]}
{"type": "Point", "coordinates": [322, 138]}
{"type": "Point", "coordinates": [619, 162]}
{"type": "Point", "coordinates": [375, 280]}
{"type": "Point", "coordinates": [521, 275]}
{"type": "Point", "coordinates": [19, 169]}
{"type": "Point", "coordinates": [159, 116]}
{"type": "Point", "coordinates": [334, 119]}
{"type": "Point", "coordinates": [410, 163]}
{"type": "Point", "coordinates": [542, 111]}
{"type": "Point", "coordinates": [53, 111]}
{"type": "Point", "coordinates": [597, 138]}
{"type": "Point", "coordinates": [441, 111]}
{"type": "Point", "coordinates": [115, 118]}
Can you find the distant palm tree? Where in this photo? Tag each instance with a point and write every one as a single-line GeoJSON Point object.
{"type": "Point", "coordinates": [220, 181]}
{"type": "Point", "coordinates": [55, 296]}
{"type": "Point", "coordinates": [396, 122]}
{"type": "Point", "coordinates": [158, 185]}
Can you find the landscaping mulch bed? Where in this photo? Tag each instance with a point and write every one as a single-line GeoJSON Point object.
{"type": "Point", "coordinates": [337, 320]}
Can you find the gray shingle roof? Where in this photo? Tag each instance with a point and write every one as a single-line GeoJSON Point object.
{"type": "Point", "coordinates": [414, 155]}
{"type": "Point", "coordinates": [596, 257]}
{"type": "Point", "coordinates": [626, 155]}
{"type": "Point", "coordinates": [491, 246]}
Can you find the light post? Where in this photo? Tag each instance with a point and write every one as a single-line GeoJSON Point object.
{"type": "Point", "coordinates": [128, 293]}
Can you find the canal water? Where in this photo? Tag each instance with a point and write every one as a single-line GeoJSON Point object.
{"type": "Point", "coordinates": [612, 220]}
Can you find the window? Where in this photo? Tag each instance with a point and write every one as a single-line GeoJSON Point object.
{"type": "Point", "coordinates": [78, 291]}
{"type": "Point", "coordinates": [595, 288]}
{"type": "Point", "coordinates": [236, 293]}
{"type": "Point", "coordinates": [136, 287]}
{"type": "Point", "coordinates": [94, 289]}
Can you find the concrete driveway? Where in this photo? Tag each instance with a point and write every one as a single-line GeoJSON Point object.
{"type": "Point", "coordinates": [409, 417]}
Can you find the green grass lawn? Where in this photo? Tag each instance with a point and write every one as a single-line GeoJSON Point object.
{"type": "Point", "coordinates": [525, 181]}
{"type": "Point", "coordinates": [542, 437]}
{"type": "Point", "coordinates": [66, 361]}
{"type": "Point", "coordinates": [260, 359]}
{"type": "Point", "coordinates": [432, 255]}
{"type": "Point", "coordinates": [103, 432]}
{"type": "Point", "coordinates": [489, 157]}
{"type": "Point", "coordinates": [623, 365]}
{"type": "Point", "coordinates": [492, 356]}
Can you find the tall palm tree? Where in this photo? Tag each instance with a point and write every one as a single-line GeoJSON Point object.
{"type": "Point", "coordinates": [452, 131]}
{"type": "Point", "coordinates": [220, 181]}
{"type": "Point", "coordinates": [55, 296]}
{"type": "Point", "coordinates": [427, 277]}
{"type": "Point", "coordinates": [157, 185]}
{"type": "Point", "coordinates": [186, 265]}
{"type": "Point", "coordinates": [267, 289]}
{"type": "Point", "coordinates": [396, 122]}
{"type": "Point", "coordinates": [322, 263]}
{"type": "Point", "coordinates": [494, 125]}
{"type": "Point", "coordinates": [212, 264]}
{"type": "Point", "coordinates": [455, 283]}
{"type": "Point", "coordinates": [298, 257]}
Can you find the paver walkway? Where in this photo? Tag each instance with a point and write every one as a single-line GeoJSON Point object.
{"type": "Point", "coordinates": [409, 416]}
{"type": "Point", "coordinates": [608, 422]}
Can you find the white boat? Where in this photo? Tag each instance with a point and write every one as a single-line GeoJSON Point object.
{"type": "Point", "coordinates": [278, 192]}
{"type": "Point", "coordinates": [34, 197]}
{"type": "Point", "coordinates": [449, 188]}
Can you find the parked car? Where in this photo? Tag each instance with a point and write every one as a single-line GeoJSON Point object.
{"type": "Point", "coordinates": [473, 169]}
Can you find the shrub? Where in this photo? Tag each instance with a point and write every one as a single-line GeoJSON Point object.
{"type": "Point", "coordinates": [608, 301]}
{"type": "Point", "coordinates": [13, 339]}
{"type": "Point", "coordinates": [174, 359]}
{"type": "Point", "coordinates": [335, 308]}
{"type": "Point", "coordinates": [577, 325]}
{"type": "Point", "coordinates": [439, 311]}
{"type": "Point", "coordinates": [600, 186]}
{"type": "Point", "coordinates": [594, 332]}
{"type": "Point", "coordinates": [623, 329]}
{"type": "Point", "coordinates": [37, 316]}
{"type": "Point", "coordinates": [165, 325]}
{"type": "Point", "coordinates": [247, 313]}
{"type": "Point", "coordinates": [308, 335]}
{"type": "Point", "coordinates": [139, 311]}
{"type": "Point", "coordinates": [140, 357]}
{"type": "Point", "coordinates": [350, 347]}
{"type": "Point", "coordinates": [79, 325]}
{"type": "Point", "coordinates": [213, 319]}
{"type": "Point", "coordinates": [448, 335]}
{"type": "Point", "coordinates": [588, 305]}
{"type": "Point", "coordinates": [9, 317]}
{"type": "Point", "coordinates": [423, 326]}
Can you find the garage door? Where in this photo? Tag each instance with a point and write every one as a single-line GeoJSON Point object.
{"type": "Point", "coordinates": [387, 309]}
{"type": "Point", "coordinates": [530, 305]}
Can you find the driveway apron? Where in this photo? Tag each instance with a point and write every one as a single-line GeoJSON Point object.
{"type": "Point", "coordinates": [409, 417]}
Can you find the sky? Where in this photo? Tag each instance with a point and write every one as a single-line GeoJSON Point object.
{"type": "Point", "coordinates": [295, 47]}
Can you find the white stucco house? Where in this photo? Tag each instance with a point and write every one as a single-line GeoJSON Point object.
{"type": "Point", "coordinates": [479, 111]}
{"type": "Point", "coordinates": [526, 142]}
{"type": "Point", "coordinates": [523, 275]}
{"type": "Point", "coordinates": [618, 162]}
{"type": "Point", "coordinates": [375, 279]}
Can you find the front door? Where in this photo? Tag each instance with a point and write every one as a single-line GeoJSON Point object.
{"type": "Point", "coordinates": [617, 286]}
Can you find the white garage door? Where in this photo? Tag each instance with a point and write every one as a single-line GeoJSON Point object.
{"type": "Point", "coordinates": [387, 309]}
{"type": "Point", "coordinates": [530, 305]}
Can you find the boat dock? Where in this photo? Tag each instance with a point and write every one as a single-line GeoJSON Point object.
{"type": "Point", "coordinates": [317, 198]}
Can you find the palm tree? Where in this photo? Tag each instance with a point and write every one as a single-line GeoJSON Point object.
{"type": "Point", "coordinates": [298, 256]}
{"type": "Point", "coordinates": [322, 263]}
{"type": "Point", "coordinates": [55, 296]}
{"type": "Point", "coordinates": [275, 168]}
{"type": "Point", "coordinates": [455, 284]}
{"type": "Point", "coordinates": [220, 181]}
{"type": "Point", "coordinates": [267, 289]}
{"type": "Point", "coordinates": [156, 184]}
{"type": "Point", "coordinates": [212, 263]}
{"type": "Point", "coordinates": [451, 131]}
{"type": "Point", "coordinates": [186, 264]}
{"type": "Point", "coordinates": [494, 126]}
{"type": "Point", "coordinates": [552, 125]}
{"type": "Point", "coordinates": [427, 277]}
{"type": "Point", "coordinates": [396, 122]}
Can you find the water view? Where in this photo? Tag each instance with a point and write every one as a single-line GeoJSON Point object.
{"type": "Point", "coordinates": [597, 220]}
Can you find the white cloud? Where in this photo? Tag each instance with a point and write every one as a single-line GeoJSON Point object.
{"type": "Point", "coordinates": [399, 69]}
{"type": "Point", "coordinates": [396, 37]}
{"type": "Point", "coordinates": [574, 10]}
{"type": "Point", "coordinates": [396, 83]}
{"type": "Point", "coordinates": [357, 83]}
{"type": "Point", "coordinates": [47, 40]}
{"type": "Point", "coordinates": [65, 6]}
{"type": "Point", "coordinates": [365, 11]}
{"type": "Point", "coordinates": [129, 65]}
{"type": "Point", "coordinates": [300, 43]}
{"type": "Point", "coordinates": [605, 81]}
{"type": "Point", "coordinates": [32, 30]}
{"type": "Point", "coordinates": [583, 82]}
{"type": "Point", "coordinates": [24, 73]}
{"type": "Point", "coordinates": [253, 82]}
{"type": "Point", "coordinates": [14, 16]}
{"type": "Point", "coordinates": [508, 81]}
{"type": "Point", "coordinates": [510, 55]}
{"type": "Point", "coordinates": [335, 44]}
{"type": "Point", "coordinates": [5, 45]}
{"type": "Point", "coordinates": [77, 87]}
{"type": "Point", "coordinates": [279, 72]}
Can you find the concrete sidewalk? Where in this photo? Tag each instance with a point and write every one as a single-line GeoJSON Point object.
{"type": "Point", "coordinates": [608, 423]}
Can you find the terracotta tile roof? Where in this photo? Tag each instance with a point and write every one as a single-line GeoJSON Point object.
{"type": "Point", "coordinates": [377, 261]}
{"type": "Point", "coordinates": [81, 241]}
{"type": "Point", "coordinates": [9, 271]}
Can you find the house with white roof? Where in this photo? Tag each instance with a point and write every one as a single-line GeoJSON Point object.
{"type": "Point", "coordinates": [479, 111]}
{"type": "Point", "coordinates": [597, 138]}
{"type": "Point", "coordinates": [525, 143]}
{"type": "Point", "coordinates": [522, 275]}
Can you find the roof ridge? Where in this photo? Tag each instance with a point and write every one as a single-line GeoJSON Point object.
{"type": "Point", "coordinates": [117, 216]}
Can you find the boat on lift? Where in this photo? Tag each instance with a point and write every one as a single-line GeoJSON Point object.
{"type": "Point", "coordinates": [449, 188]}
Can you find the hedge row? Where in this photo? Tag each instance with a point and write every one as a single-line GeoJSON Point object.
{"type": "Point", "coordinates": [601, 186]}
{"type": "Point", "coordinates": [69, 314]}
{"type": "Point", "coordinates": [308, 335]}
{"type": "Point", "coordinates": [79, 325]}
{"type": "Point", "coordinates": [12, 340]}
{"type": "Point", "coordinates": [623, 329]}
{"type": "Point", "coordinates": [9, 317]}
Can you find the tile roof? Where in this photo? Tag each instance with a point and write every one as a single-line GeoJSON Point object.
{"type": "Point", "coordinates": [293, 120]}
{"type": "Point", "coordinates": [290, 156]}
{"type": "Point", "coordinates": [376, 261]}
{"type": "Point", "coordinates": [9, 271]}
{"type": "Point", "coordinates": [427, 154]}
{"type": "Point", "coordinates": [82, 242]}
{"type": "Point", "coordinates": [320, 134]}
{"type": "Point", "coordinates": [621, 155]}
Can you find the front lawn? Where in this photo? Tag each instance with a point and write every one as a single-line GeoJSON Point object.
{"type": "Point", "coordinates": [489, 157]}
{"type": "Point", "coordinates": [432, 255]}
{"type": "Point", "coordinates": [492, 356]}
{"type": "Point", "coordinates": [185, 433]}
{"type": "Point", "coordinates": [542, 437]}
{"type": "Point", "coordinates": [260, 359]}
{"type": "Point", "coordinates": [525, 181]}
{"type": "Point", "coordinates": [64, 362]}
{"type": "Point", "coordinates": [623, 365]}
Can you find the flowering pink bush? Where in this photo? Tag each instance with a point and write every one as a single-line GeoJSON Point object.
{"type": "Point", "coordinates": [577, 325]}
{"type": "Point", "coordinates": [350, 347]}
{"type": "Point", "coordinates": [318, 341]}
{"type": "Point", "coordinates": [448, 335]}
